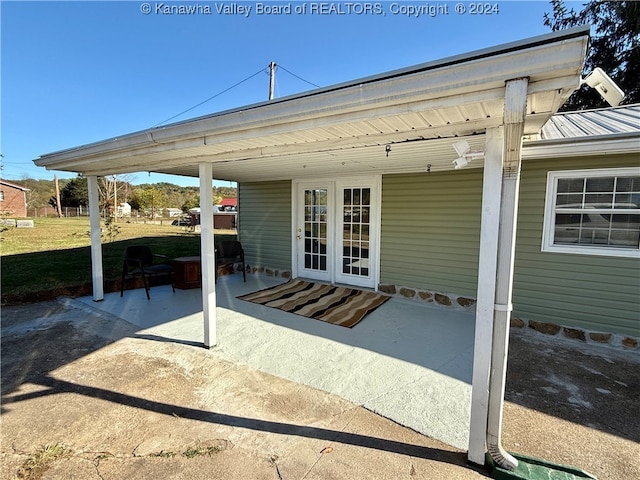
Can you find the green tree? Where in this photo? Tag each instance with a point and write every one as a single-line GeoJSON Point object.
{"type": "Point", "coordinates": [149, 199]}
{"type": "Point", "coordinates": [40, 191]}
{"type": "Point", "coordinates": [190, 203]}
{"type": "Point", "coordinates": [75, 193]}
{"type": "Point", "coordinates": [614, 46]}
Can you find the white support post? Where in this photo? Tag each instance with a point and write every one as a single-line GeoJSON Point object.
{"type": "Point", "coordinates": [487, 266]}
{"type": "Point", "coordinates": [515, 109]}
{"type": "Point", "coordinates": [97, 276]}
{"type": "Point", "coordinates": [207, 254]}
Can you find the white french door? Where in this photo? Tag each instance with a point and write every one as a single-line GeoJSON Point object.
{"type": "Point", "coordinates": [336, 229]}
{"type": "Point", "coordinates": [314, 231]}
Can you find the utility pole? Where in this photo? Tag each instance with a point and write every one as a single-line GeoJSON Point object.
{"type": "Point", "coordinates": [115, 199]}
{"type": "Point", "coordinates": [55, 179]}
{"type": "Point", "coordinates": [272, 78]}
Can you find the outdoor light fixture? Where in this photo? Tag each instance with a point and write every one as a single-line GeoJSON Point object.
{"type": "Point", "coordinates": [463, 149]}
{"type": "Point", "coordinates": [605, 86]}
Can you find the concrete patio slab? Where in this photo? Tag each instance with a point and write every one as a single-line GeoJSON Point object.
{"type": "Point", "coordinates": [128, 406]}
{"type": "Point", "coordinates": [408, 362]}
{"type": "Point", "coordinates": [127, 403]}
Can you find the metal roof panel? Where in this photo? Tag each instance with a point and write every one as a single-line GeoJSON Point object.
{"type": "Point", "coordinates": [606, 121]}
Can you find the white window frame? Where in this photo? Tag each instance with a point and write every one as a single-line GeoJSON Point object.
{"type": "Point", "coordinates": [550, 207]}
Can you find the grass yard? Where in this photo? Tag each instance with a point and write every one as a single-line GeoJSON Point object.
{"type": "Point", "coordinates": [54, 257]}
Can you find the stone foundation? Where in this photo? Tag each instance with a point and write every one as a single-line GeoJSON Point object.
{"type": "Point", "coordinates": [424, 296]}
{"type": "Point", "coordinates": [457, 302]}
{"type": "Point", "coordinates": [269, 272]}
{"type": "Point", "coordinates": [578, 334]}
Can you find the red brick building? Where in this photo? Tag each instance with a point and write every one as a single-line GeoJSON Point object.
{"type": "Point", "coordinates": [13, 199]}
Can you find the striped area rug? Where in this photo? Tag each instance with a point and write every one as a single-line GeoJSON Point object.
{"type": "Point", "coordinates": [337, 305]}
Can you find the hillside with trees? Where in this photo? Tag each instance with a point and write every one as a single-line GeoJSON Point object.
{"type": "Point", "coordinates": [116, 190]}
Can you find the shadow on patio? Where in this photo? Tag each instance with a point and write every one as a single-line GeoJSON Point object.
{"type": "Point", "coordinates": [408, 362]}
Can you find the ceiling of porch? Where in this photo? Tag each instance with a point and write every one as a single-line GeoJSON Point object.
{"type": "Point", "coordinates": [416, 113]}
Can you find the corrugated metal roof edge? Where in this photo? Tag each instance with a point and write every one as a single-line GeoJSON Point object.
{"type": "Point", "coordinates": [591, 138]}
{"type": "Point", "coordinates": [448, 61]}
{"type": "Point", "coordinates": [584, 139]}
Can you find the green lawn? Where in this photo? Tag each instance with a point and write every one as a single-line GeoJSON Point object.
{"type": "Point", "coordinates": [54, 257]}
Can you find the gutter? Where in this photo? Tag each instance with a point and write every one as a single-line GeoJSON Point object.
{"type": "Point", "coordinates": [274, 111]}
{"type": "Point", "coordinates": [620, 143]}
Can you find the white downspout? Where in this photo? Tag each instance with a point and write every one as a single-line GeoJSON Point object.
{"type": "Point", "coordinates": [97, 276]}
{"type": "Point", "coordinates": [207, 254]}
{"type": "Point", "coordinates": [515, 107]}
{"type": "Point", "coordinates": [486, 294]}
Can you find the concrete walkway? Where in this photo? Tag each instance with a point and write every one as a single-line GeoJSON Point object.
{"type": "Point", "coordinates": [408, 362]}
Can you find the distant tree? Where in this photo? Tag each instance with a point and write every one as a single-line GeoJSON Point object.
{"type": "Point", "coordinates": [225, 192]}
{"type": "Point", "coordinates": [150, 199]}
{"type": "Point", "coordinates": [614, 46]}
{"type": "Point", "coordinates": [53, 202]}
{"type": "Point", "coordinates": [40, 191]}
{"type": "Point", "coordinates": [190, 203]}
{"type": "Point", "coordinates": [113, 189]}
{"type": "Point", "coordinates": [135, 199]}
{"type": "Point", "coordinates": [75, 193]}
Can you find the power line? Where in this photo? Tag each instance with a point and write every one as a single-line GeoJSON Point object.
{"type": "Point", "coordinates": [298, 77]}
{"type": "Point", "coordinates": [210, 98]}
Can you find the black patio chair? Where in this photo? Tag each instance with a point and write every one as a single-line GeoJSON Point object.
{"type": "Point", "coordinates": [139, 261]}
{"type": "Point", "coordinates": [230, 252]}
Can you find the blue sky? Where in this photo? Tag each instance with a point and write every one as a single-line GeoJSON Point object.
{"type": "Point", "coordinates": [79, 72]}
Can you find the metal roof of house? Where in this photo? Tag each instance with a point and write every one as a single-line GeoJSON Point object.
{"type": "Point", "coordinates": [604, 131]}
{"type": "Point", "coordinates": [345, 129]}
{"type": "Point", "coordinates": [605, 121]}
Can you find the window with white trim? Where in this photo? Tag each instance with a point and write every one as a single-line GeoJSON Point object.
{"type": "Point", "coordinates": [593, 212]}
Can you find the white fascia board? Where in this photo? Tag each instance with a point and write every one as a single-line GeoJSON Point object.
{"type": "Point", "coordinates": [424, 90]}
{"type": "Point", "coordinates": [582, 146]}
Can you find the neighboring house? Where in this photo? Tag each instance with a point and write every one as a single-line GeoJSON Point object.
{"type": "Point", "coordinates": [222, 220]}
{"type": "Point", "coordinates": [173, 212]}
{"type": "Point", "coordinates": [577, 261]}
{"type": "Point", "coordinates": [13, 199]}
{"type": "Point", "coordinates": [228, 205]}
{"type": "Point", "coordinates": [124, 210]}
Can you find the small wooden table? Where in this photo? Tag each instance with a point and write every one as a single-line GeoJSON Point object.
{"type": "Point", "coordinates": [188, 272]}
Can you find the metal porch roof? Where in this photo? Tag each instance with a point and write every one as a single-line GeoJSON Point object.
{"type": "Point", "coordinates": [345, 129]}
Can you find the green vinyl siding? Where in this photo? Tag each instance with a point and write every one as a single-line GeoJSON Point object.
{"type": "Point", "coordinates": [264, 211]}
{"type": "Point", "coordinates": [430, 231]}
{"type": "Point", "coordinates": [430, 237]}
{"type": "Point", "coordinates": [595, 293]}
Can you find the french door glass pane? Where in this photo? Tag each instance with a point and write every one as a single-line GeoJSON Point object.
{"type": "Point", "coordinates": [315, 229]}
{"type": "Point", "coordinates": [355, 237]}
